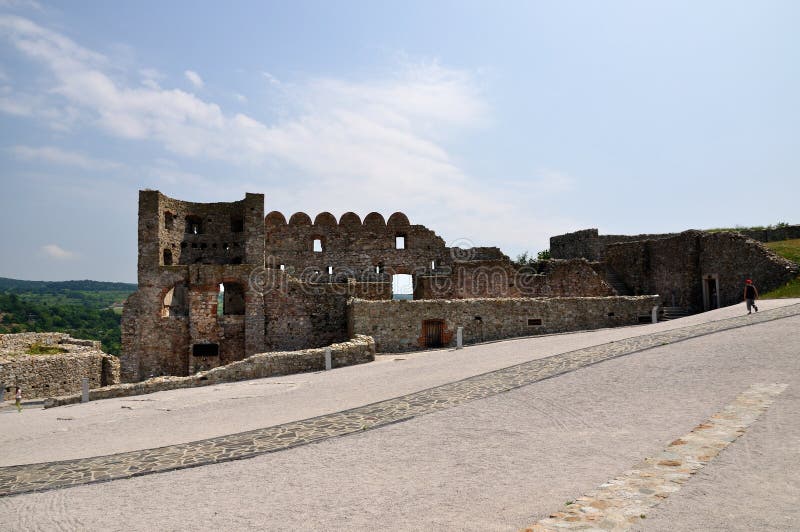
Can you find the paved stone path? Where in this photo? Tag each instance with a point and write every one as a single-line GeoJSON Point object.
{"type": "Point", "coordinates": [624, 501]}
{"type": "Point", "coordinates": [50, 475]}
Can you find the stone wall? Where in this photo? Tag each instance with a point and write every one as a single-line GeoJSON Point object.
{"type": "Point", "coordinates": [367, 251]}
{"type": "Point", "coordinates": [678, 267]}
{"type": "Point", "coordinates": [359, 350]}
{"type": "Point", "coordinates": [774, 234]}
{"type": "Point", "coordinates": [280, 292]}
{"type": "Point", "coordinates": [482, 279]}
{"type": "Point", "coordinates": [46, 375]}
{"type": "Point", "coordinates": [399, 325]}
{"type": "Point", "coordinates": [590, 245]}
{"type": "Point", "coordinates": [186, 251]}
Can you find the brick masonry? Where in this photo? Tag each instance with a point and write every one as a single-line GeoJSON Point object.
{"type": "Point", "coordinates": [399, 325]}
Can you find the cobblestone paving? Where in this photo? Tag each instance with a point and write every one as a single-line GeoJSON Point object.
{"type": "Point", "coordinates": [50, 475]}
{"type": "Point", "coordinates": [624, 501]}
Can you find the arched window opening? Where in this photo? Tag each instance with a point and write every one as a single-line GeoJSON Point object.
{"type": "Point", "coordinates": [402, 286]}
{"type": "Point", "coordinates": [167, 257]}
{"type": "Point", "coordinates": [176, 302]}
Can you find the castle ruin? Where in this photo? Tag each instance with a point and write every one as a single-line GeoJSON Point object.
{"type": "Point", "coordinates": [219, 282]}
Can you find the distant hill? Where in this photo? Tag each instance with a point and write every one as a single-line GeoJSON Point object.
{"type": "Point", "coordinates": [85, 309]}
{"type": "Point", "coordinates": [17, 285]}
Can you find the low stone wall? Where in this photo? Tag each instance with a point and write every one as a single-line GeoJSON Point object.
{"type": "Point", "coordinates": [399, 325]}
{"type": "Point", "coordinates": [47, 375]}
{"type": "Point", "coordinates": [774, 234]}
{"type": "Point", "coordinates": [359, 350]}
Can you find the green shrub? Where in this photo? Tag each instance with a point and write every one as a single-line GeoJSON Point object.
{"type": "Point", "coordinates": [41, 349]}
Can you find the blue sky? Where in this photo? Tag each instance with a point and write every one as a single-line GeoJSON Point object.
{"type": "Point", "coordinates": [497, 123]}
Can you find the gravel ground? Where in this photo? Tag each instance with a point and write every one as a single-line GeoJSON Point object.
{"type": "Point", "coordinates": [497, 464]}
{"type": "Point", "coordinates": [177, 416]}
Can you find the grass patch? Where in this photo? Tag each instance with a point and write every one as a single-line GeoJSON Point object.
{"type": "Point", "coordinates": [40, 349]}
{"type": "Point", "coordinates": [778, 225]}
{"type": "Point", "coordinates": [788, 249]}
{"type": "Point", "coordinates": [789, 290]}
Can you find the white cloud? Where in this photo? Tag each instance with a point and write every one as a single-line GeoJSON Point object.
{"type": "Point", "coordinates": [241, 98]}
{"type": "Point", "coordinates": [57, 252]}
{"type": "Point", "coordinates": [194, 78]}
{"type": "Point", "coordinates": [370, 144]}
{"type": "Point", "coordinates": [151, 77]}
{"type": "Point", "coordinates": [55, 155]}
{"type": "Point", "coordinates": [271, 79]}
{"type": "Point", "coordinates": [21, 4]}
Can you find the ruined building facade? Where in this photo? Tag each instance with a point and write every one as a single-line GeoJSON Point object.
{"type": "Point", "coordinates": [693, 270]}
{"type": "Point", "coordinates": [222, 281]}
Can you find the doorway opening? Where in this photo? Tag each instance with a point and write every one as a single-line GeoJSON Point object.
{"type": "Point", "coordinates": [710, 291]}
{"type": "Point", "coordinates": [433, 333]}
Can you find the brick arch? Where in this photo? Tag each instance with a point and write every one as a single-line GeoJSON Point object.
{"type": "Point", "coordinates": [374, 220]}
{"type": "Point", "coordinates": [398, 219]}
{"type": "Point", "coordinates": [300, 218]}
{"type": "Point", "coordinates": [350, 219]}
{"type": "Point", "coordinates": [325, 219]}
{"type": "Point", "coordinates": [275, 218]}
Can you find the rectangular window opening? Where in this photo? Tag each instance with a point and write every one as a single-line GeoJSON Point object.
{"type": "Point", "coordinates": [317, 245]}
{"type": "Point", "coordinates": [400, 242]}
{"type": "Point", "coordinates": [534, 321]}
{"type": "Point", "coordinates": [205, 350]}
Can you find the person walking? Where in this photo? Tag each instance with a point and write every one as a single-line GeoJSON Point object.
{"type": "Point", "coordinates": [750, 295]}
{"type": "Point", "coordinates": [18, 397]}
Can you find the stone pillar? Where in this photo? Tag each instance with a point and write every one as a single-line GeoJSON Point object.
{"type": "Point", "coordinates": [328, 361]}
{"type": "Point", "coordinates": [460, 338]}
{"type": "Point", "coordinates": [84, 390]}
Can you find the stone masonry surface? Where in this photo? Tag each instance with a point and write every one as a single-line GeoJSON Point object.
{"type": "Point", "coordinates": [219, 282]}
{"type": "Point", "coordinates": [677, 268]}
{"type": "Point", "coordinates": [359, 350]}
{"type": "Point", "coordinates": [624, 501]}
{"type": "Point", "coordinates": [398, 325]}
{"type": "Point", "coordinates": [692, 270]}
{"type": "Point", "coordinates": [57, 374]}
{"type": "Point", "coordinates": [43, 476]}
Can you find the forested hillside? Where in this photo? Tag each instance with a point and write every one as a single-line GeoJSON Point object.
{"type": "Point", "coordinates": [84, 309]}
